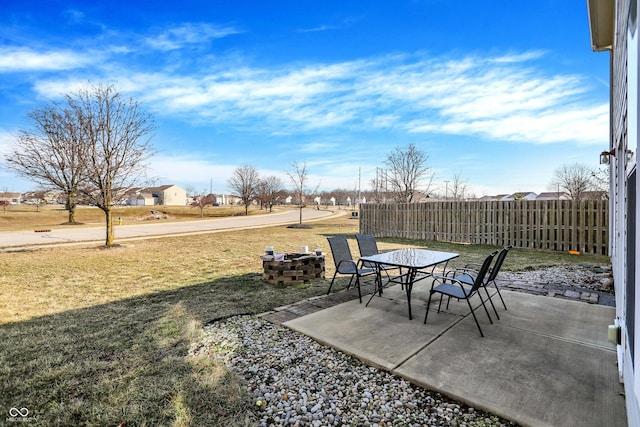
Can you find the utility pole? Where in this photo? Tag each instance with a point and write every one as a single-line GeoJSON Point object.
{"type": "Point", "coordinates": [359, 176]}
{"type": "Point", "coordinates": [446, 190]}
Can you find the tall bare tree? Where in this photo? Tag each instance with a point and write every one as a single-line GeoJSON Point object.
{"type": "Point", "coordinates": [115, 132]}
{"type": "Point", "coordinates": [408, 173]}
{"type": "Point", "coordinates": [299, 176]}
{"type": "Point", "coordinates": [244, 182]}
{"type": "Point", "coordinates": [575, 179]}
{"type": "Point", "coordinates": [52, 152]}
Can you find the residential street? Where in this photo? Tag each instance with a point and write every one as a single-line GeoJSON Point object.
{"type": "Point", "coordinates": [15, 240]}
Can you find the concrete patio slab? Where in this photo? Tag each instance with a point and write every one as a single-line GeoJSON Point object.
{"type": "Point", "coordinates": [546, 362]}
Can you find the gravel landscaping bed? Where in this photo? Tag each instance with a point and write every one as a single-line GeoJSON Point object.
{"type": "Point", "coordinates": [293, 380]}
{"type": "Point", "coordinates": [585, 282]}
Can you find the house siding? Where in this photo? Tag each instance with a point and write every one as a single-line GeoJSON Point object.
{"type": "Point", "coordinates": [624, 202]}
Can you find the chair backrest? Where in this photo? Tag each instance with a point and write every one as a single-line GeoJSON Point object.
{"type": "Point", "coordinates": [367, 244]}
{"type": "Point", "coordinates": [496, 268]}
{"type": "Point", "coordinates": [483, 272]}
{"type": "Point", "coordinates": [340, 250]}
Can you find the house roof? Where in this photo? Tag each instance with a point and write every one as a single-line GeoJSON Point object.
{"type": "Point", "coordinates": [552, 195]}
{"type": "Point", "coordinates": [519, 195]}
{"type": "Point", "coordinates": [601, 24]}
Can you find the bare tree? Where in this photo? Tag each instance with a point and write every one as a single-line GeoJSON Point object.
{"type": "Point", "coordinates": [116, 134]}
{"type": "Point", "coordinates": [299, 177]}
{"type": "Point", "coordinates": [244, 182]}
{"type": "Point", "coordinates": [270, 191]}
{"type": "Point", "coordinates": [601, 181]}
{"type": "Point", "coordinates": [575, 179]}
{"type": "Point", "coordinates": [52, 153]}
{"type": "Point", "coordinates": [201, 201]}
{"type": "Point", "coordinates": [458, 187]}
{"type": "Point", "coordinates": [380, 185]}
{"type": "Point", "coordinates": [407, 172]}
{"type": "Point", "coordinates": [190, 190]}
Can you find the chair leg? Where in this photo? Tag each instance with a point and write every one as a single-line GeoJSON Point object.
{"type": "Point", "coordinates": [428, 304]}
{"type": "Point", "coordinates": [500, 295]}
{"type": "Point", "coordinates": [331, 285]}
{"type": "Point", "coordinates": [474, 316]}
{"type": "Point", "coordinates": [350, 282]}
{"type": "Point", "coordinates": [358, 285]}
{"type": "Point", "coordinates": [491, 301]}
{"type": "Point", "coordinates": [483, 305]}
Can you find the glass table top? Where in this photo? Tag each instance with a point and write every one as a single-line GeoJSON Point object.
{"type": "Point", "coordinates": [411, 258]}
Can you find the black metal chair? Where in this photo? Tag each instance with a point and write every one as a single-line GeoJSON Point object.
{"type": "Point", "coordinates": [468, 276]}
{"type": "Point", "coordinates": [456, 289]}
{"type": "Point", "coordinates": [345, 264]}
{"type": "Point", "coordinates": [368, 246]}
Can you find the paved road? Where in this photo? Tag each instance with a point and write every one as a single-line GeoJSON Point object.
{"type": "Point", "coordinates": [14, 240]}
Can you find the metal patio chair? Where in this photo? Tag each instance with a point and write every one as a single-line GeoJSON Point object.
{"type": "Point", "coordinates": [467, 275]}
{"type": "Point", "coordinates": [454, 288]}
{"type": "Point", "coordinates": [345, 264]}
{"type": "Point", "coordinates": [368, 246]}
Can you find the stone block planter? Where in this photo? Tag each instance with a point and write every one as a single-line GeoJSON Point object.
{"type": "Point", "coordinates": [295, 269]}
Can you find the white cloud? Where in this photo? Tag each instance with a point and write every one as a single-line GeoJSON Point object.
{"type": "Point", "coordinates": [508, 97]}
{"type": "Point", "coordinates": [188, 34]}
{"type": "Point", "coordinates": [7, 141]}
{"type": "Point", "coordinates": [25, 59]}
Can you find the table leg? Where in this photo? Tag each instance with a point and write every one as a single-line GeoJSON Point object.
{"type": "Point", "coordinates": [411, 275]}
{"type": "Point", "coordinates": [378, 285]}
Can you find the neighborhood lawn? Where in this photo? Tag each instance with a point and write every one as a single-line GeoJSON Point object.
{"type": "Point", "coordinates": [95, 336]}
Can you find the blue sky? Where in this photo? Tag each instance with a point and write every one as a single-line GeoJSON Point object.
{"type": "Point", "coordinates": [500, 93]}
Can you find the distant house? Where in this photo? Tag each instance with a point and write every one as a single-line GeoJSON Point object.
{"type": "Point", "coordinates": [526, 195]}
{"type": "Point", "coordinates": [13, 198]}
{"type": "Point", "coordinates": [489, 198]}
{"type": "Point", "coordinates": [141, 199]}
{"type": "Point", "coordinates": [167, 195]}
{"type": "Point", "coordinates": [552, 196]}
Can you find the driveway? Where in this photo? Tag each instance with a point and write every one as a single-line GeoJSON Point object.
{"type": "Point", "coordinates": [16, 240]}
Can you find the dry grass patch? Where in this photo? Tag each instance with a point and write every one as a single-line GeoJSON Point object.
{"type": "Point", "coordinates": [28, 217]}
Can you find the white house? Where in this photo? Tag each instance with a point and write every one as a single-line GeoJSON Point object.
{"type": "Point", "coordinates": [167, 195]}
{"type": "Point", "coordinates": [614, 28]}
{"type": "Point", "coordinates": [553, 195]}
{"type": "Point", "coordinates": [523, 195]}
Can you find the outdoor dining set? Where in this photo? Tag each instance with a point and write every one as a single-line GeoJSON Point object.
{"type": "Point", "coordinates": [406, 267]}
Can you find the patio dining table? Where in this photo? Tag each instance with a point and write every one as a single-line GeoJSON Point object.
{"type": "Point", "coordinates": [418, 264]}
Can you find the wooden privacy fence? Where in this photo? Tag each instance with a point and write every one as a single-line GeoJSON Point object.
{"type": "Point", "coordinates": [561, 225]}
